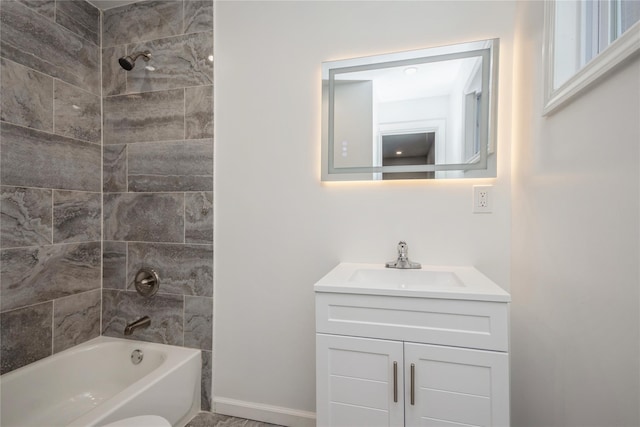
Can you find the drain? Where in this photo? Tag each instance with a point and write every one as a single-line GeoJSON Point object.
{"type": "Point", "coordinates": [136, 356]}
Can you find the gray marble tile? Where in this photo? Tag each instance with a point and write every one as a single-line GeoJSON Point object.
{"type": "Point", "coordinates": [77, 113]}
{"type": "Point", "coordinates": [33, 40]}
{"type": "Point", "coordinates": [205, 380]}
{"type": "Point", "coordinates": [146, 217]}
{"type": "Point", "coordinates": [198, 112]}
{"type": "Point", "coordinates": [198, 211]}
{"type": "Point", "coordinates": [25, 336]}
{"type": "Point", "coordinates": [25, 218]}
{"type": "Point", "coordinates": [198, 16]}
{"type": "Point", "coordinates": [114, 168]}
{"type": "Point", "coordinates": [76, 319]}
{"type": "Point", "coordinates": [208, 419]}
{"type": "Point", "coordinates": [114, 265]}
{"type": "Point", "coordinates": [178, 61]}
{"type": "Point", "coordinates": [143, 117]}
{"type": "Point", "coordinates": [114, 77]}
{"type": "Point", "coordinates": [26, 96]}
{"type": "Point", "coordinates": [77, 216]}
{"type": "Point", "coordinates": [145, 20]}
{"type": "Point", "coordinates": [183, 269]}
{"type": "Point", "coordinates": [198, 322]}
{"type": "Point", "coordinates": [36, 274]}
{"type": "Point", "coordinates": [81, 17]}
{"type": "Point", "coordinates": [43, 7]}
{"type": "Point", "coordinates": [32, 158]}
{"type": "Point", "coordinates": [120, 308]}
{"type": "Point", "coordinates": [171, 166]}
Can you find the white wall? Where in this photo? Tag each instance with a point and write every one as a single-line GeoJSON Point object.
{"type": "Point", "coordinates": [278, 228]}
{"type": "Point", "coordinates": [575, 239]}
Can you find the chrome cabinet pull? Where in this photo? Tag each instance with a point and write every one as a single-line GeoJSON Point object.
{"type": "Point", "coordinates": [413, 384]}
{"type": "Point", "coordinates": [395, 382]}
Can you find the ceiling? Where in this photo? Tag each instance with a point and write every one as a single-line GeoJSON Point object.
{"type": "Point", "coordinates": [430, 79]}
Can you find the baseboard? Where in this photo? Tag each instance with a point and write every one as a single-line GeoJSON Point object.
{"type": "Point", "coordinates": [265, 413]}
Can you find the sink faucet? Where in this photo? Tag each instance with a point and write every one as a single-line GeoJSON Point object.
{"type": "Point", "coordinates": [403, 258]}
{"type": "Point", "coordinates": [143, 322]}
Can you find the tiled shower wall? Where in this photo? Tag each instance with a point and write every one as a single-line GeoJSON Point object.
{"type": "Point", "coordinates": [158, 172]}
{"type": "Point", "coordinates": [50, 145]}
{"type": "Point", "coordinates": [156, 192]}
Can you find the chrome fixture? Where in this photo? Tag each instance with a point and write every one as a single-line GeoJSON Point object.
{"type": "Point", "coordinates": [147, 282]}
{"type": "Point", "coordinates": [403, 258]}
{"type": "Point", "coordinates": [128, 62]}
{"type": "Point", "coordinates": [143, 322]}
{"type": "Point", "coordinates": [136, 356]}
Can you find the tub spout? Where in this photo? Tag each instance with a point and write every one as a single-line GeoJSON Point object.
{"type": "Point", "coordinates": [143, 322]}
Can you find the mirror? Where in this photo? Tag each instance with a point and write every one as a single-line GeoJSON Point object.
{"type": "Point", "coordinates": [422, 114]}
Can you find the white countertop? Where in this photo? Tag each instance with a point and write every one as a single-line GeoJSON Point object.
{"type": "Point", "coordinates": [446, 282]}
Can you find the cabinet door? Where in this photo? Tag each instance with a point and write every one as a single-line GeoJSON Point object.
{"type": "Point", "coordinates": [456, 386]}
{"type": "Point", "coordinates": [355, 382]}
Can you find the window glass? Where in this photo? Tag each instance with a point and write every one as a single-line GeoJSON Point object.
{"type": "Point", "coordinates": [629, 14]}
{"type": "Point", "coordinates": [578, 32]}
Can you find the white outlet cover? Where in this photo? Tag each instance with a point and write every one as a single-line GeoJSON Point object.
{"type": "Point", "coordinates": [482, 199]}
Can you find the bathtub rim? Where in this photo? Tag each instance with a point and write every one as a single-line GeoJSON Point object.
{"type": "Point", "coordinates": [176, 358]}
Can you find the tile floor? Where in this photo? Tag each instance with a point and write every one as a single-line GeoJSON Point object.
{"type": "Point", "coordinates": [208, 419]}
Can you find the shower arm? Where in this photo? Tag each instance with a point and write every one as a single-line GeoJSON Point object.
{"type": "Point", "coordinates": [146, 55]}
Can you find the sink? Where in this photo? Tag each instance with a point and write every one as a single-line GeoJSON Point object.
{"type": "Point", "coordinates": [448, 282]}
{"type": "Point", "coordinates": [404, 279]}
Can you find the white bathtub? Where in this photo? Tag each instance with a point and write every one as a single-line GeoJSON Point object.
{"type": "Point", "coordinates": [96, 383]}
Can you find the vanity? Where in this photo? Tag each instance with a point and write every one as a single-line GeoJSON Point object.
{"type": "Point", "coordinates": [424, 347]}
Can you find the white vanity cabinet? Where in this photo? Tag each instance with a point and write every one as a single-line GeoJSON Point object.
{"type": "Point", "coordinates": [403, 358]}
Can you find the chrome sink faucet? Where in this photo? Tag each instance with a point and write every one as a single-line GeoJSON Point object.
{"type": "Point", "coordinates": [403, 258]}
{"type": "Point", "coordinates": [143, 322]}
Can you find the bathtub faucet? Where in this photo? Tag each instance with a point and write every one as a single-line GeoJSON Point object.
{"type": "Point", "coordinates": [143, 322]}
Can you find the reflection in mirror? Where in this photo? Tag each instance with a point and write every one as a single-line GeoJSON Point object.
{"type": "Point", "coordinates": [411, 115]}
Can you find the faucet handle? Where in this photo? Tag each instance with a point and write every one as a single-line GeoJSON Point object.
{"type": "Point", "coordinates": [403, 259]}
{"type": "Point", "coordinates": [402, 249]}
{"type": "Point", "coordinates": [147, 282]}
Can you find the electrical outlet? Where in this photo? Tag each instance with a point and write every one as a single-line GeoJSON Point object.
{"type": "Point", "coordinates": [482, 198]}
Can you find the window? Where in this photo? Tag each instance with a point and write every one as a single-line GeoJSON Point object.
{"type": "Point", "coordinates": [584, 40]}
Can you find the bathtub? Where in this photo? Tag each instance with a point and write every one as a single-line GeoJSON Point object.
{"type": "Point", "coordinates": [96, 383]}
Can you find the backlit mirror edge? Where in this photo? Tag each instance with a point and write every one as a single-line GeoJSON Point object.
{"type": "Point", "coordinates": [482, 169]}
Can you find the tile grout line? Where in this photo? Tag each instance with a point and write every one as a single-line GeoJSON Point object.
{"type": "Point", "coordinates": [126, 266]}
{"type": "Point", "coordinates": [184, 196]}
{"type": "Point", "coordinates": [85, 242]}
{"type": "Point", "coordinates": [101, 18]}
{"type": "Point", "coordinates": [52, 133]}
{"type": "Point", "coordinates": [126, 169]}
{"type": "Point", "coordinates": [127, 93]}
{"type": "Point", "coordinates": [53, 105]}
{"type": "Point", "coordinates": [1, 202]}
{"type": "Point", "coordinates": [53, 311]}
{"type": "Point", "coordinates": [53, 206]}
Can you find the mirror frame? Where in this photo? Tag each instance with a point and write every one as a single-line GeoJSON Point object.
{"type": "Point", "coordinates": [488, 50]}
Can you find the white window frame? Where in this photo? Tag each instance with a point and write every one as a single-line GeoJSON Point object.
{"type": "Point", "coordinates": [620, 49]}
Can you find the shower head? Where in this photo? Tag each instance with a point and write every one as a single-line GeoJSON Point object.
{"type": "Point", "coordinates": [128, 62]}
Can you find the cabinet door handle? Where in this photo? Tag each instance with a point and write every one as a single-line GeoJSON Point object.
{"type": "Point", "coordinates": [413, 384]}
{"type": "Point", "coordinates": [395, 382]}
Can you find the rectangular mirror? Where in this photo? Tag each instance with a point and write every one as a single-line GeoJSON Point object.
{"type": "Point", "coordinates": [421, 114]}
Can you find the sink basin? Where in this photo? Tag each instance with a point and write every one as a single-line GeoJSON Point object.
{"type": "Point", "coordinates": [404, 279]}
{"type": "Point", "coordinates": [449, 282]}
